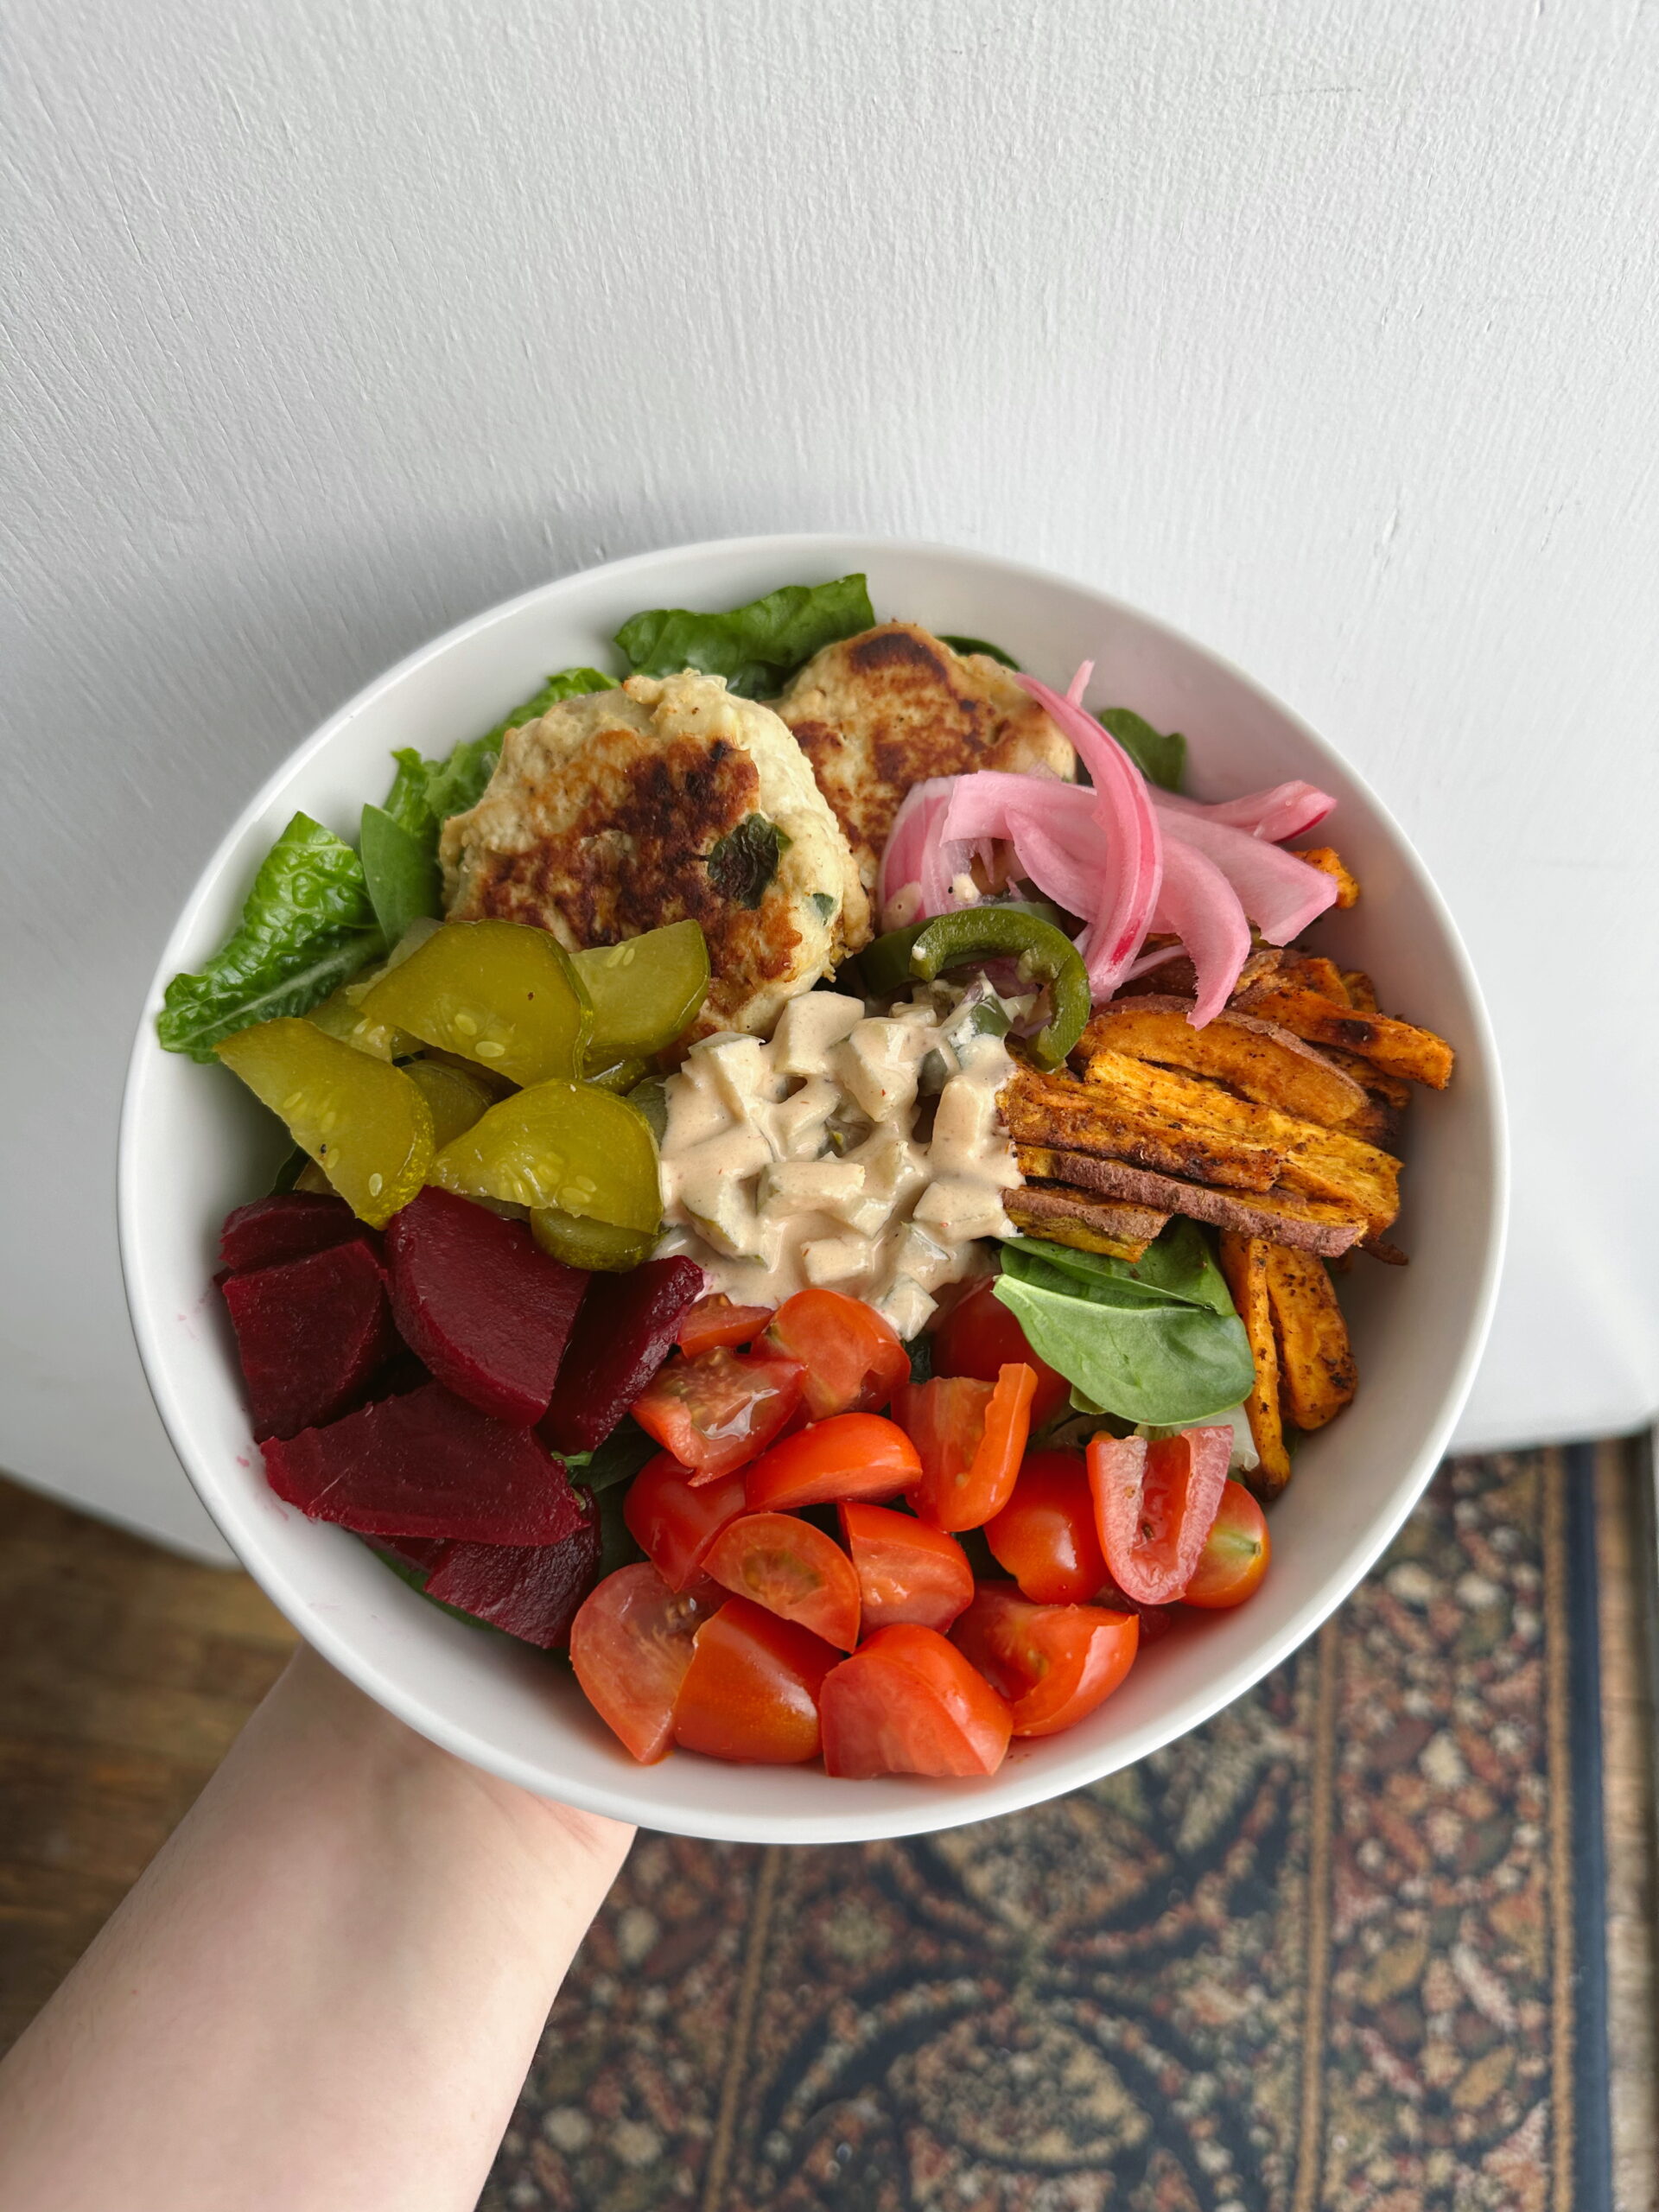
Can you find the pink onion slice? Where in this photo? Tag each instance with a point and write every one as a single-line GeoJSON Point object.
{"type": "Point", "coordinates": [1280, 893]}
{"type": "Point", "coordinates": [916, 851]}
{"type": "Point", "coordinates": [1199, 905]}
{"type": "Point", "coordinates": [1284, 811]}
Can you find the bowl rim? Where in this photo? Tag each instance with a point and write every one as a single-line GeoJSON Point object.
{"type": "Point", "coordinates": [1018, 1785]}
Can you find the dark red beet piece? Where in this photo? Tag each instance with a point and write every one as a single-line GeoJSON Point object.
{"type": "Point", "coordinates": [532, 1591]}
{"type": "Point", "coordinates": [310, 1335]}
{"type": "Point", "coordinates": [481, 1303]}
{"type": "Point", "coordinates": [624, 1332]}
{"type": "Point", "coordinates": [427, 1464]}
{"type": "Point", "coordinates": [422, 1553]}
{"type": "Point", "coordinates": [285, 1227]}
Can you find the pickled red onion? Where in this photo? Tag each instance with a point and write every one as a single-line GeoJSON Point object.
{"type": "Point", "coordinates": [1199, 905]}
{"type": "Point", "coordinates": [916, 852]}
{"type": "Point", "coordinates": [1283, 810]}
{"type": "Point", "coordinates": [1280, 893]}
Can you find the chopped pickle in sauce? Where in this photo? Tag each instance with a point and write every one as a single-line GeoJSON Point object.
{"type": "Point", "coordinates": [499, 993]}
{"type": "Point", "coordinates": [366, 1124]}
{"type": "Point", "coordinates": [646, 991]}
{"type": "Point", "coordinates": [565, 1145]}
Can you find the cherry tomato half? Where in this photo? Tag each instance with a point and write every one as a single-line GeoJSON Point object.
{"type": "Point", "coordinates": [907, 1571]}
{"type": "Point", "coordinates": [674, 1520]}
{"type": "Point", "coordinates": [908, 1702]}
{"type": "Point", "coordinates": [849, 1455]}
{"type": "Point", "coordinates": [717, 1411]}
{"type": "Point", "coordinates": [1235, 1555]}
{"type": "Point", "coordinates": [979, 1337]}
{"type": "Point", "coordinates": [1154, 1506]}
{"type": "Point", "coordinates": [631, 1645]}
{"type": "Point", "coordinates": [750, 1692]}
{"type": "Point", "coordinates": [1046, 1534]}
{"type": "Point", "coordinates": [714, 1322]}
{"type": "Point", "coordinates": [793, 1569]}
{"type": "Point", "coordinates": [853, 1357]}
{"type": "Point", "coordinates": [971, 1438]}
{"type": "Point", "coordinates": [1054, 1663]}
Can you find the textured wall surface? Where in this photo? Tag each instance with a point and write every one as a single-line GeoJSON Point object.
{"type": "Point", "coordinates": [1324, 329]}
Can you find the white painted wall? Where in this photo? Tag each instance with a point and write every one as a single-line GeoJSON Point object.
{"type": "Point", "coordinates": [1324, 329]}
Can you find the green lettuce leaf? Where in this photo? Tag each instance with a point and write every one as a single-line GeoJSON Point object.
{"type": "Point", "coordinates": [425, 793]}
{"type": "Point", "coordinates": [1157, 1341]}
{"type": "Point", "coordinates": [756, 648]}
{"type": "Point", "coordinates": [1161, 758]}
{"type": "Point", "coordinates": [308, 926]}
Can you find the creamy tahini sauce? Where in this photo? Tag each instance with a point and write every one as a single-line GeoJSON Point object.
{"type": "Point", "coordinates": [810, 1158]}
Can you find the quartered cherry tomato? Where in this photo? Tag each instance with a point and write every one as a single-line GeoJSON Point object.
{"type": "Point", "coordinates": [791, 1568]}
{"type": "Point", "coordinates": [853, 1357]}
{"type": "Point", "coordinates": [907, 1571]}
{"type": "Point", "coordinates": [631, 1645]}
{"type": "Point", "coordinates": [1046, 1535]}
{"type": "Point", "coordinates": [1054, 1663]}
{"type": "Point", "coordinates": [714, 1322]}
{"type": "Point", "coordinates": [714, 1413]}
{"type": "Point", "coordinates": [971, 1438]}
{"type": "Point", "coordinates": [750, 1692]}
{"type": "Point", "coordinates": [908, 1702]}
{"type": "Point", "coordinates": [1154, 1506]}
{"type": "Point", "coordinates": [1235, 1555]}
{"type": "Point", "coordinates": [979, 1337]}
{"type": "Point", "coordinates": [849, 1455]}
{"type": "Point", "coordinates": [674, 1520]}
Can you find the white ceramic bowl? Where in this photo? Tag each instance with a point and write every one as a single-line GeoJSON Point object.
{"type": "Point", "coordinates": [194, 1143]}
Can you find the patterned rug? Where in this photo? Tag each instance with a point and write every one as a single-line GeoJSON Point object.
{"type": "Point", "coordinates": [1342, 1947]}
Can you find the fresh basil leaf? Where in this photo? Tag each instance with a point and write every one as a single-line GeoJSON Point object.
{"type": "Point", "coordinates": [401, 870]}
{"type": "Point", "coordinates": [745, 861]}
{"type": "Point", "coordinates": [979, 645]}
{"type": "Point", "coordinates": [618, 1460]}
{"type": "Point", "coordinates": [308, 926]}
{"type": "Point", "coordinates": [1161, 758]}
{"type": "Point", "coordinates": [1168, 1363]}
{"type": "Point", "coordinates": [756, 648]}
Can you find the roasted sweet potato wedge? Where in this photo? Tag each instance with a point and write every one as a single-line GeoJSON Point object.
{"type": "Point", "coordinates": [1362, 991]}
{"type": "Point", "coordinates": [1245, 1263]}
{"type": "Point", "coordinates": [1311, 971]}
{"type": "Point", "coordinates": [1315, 1361]}
{"type": "Point", "coordinates": [1100, 1117]}
{"type": "Point", "coordinates": [1284, 1215]}
{"type": "Point", "coordinates": [1259, 1059]}
{"type": "Point", "coordinates": [1105, 1225]}
{"type": "Point", "coordinates": [1329, 861]}
{"type": "Point", "coordinates": [1397, 1048]}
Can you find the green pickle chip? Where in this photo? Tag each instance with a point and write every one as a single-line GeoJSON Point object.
{"type": "Point", "coordinates": [501, 993]}
{"type": "Point", "coordinates": [564, 1145]}
{"type": "Point", "coordinates": [646, 991]}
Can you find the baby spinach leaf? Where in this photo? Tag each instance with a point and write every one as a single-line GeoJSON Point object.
{"type": "Point", "coordinates": [1161, 758]}
{"type": "Point", "coordinates": [1179, 1264]}
{"type": "Point", "coordinates": [618, 1460]}
{"type": "Point", "coordinates": [401, 870]}
{"type": "Point", "coordinates": [308, 924]}
{"type": "Point", "coordinates": [756, 648]}
{"type": "Point", "coordinates": [979, 645]}
{"type": "Point", "coordinates": [743, 864]}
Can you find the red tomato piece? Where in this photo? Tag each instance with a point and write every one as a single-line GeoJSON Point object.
{"type": "Point", "coordinates": [631, 1645]}
{"type": "Point", "coordinates": [849, 1455]}
{"type": "Point", "coordinates": [1155, 1505]}
{"type": "Point", "coordinates": [908, 1702]}
{"type": "Point", "coordinates": [750, 1692]}
{"type": "Point", "coordinates": [971, 1437]}
{"type": "Point", "coordinates": [714, 1322]}
{"type": "Point", "coordinates": [1054, 1663]}
{"type": "Point", "coordinates": [793, 1569]}
{"type": "Point", "coordinates": [1235, 1555]}
{"type": "Point", "coordinates": [853, 1357]}
{"type": "Point", "coordinates": [1046, 1535]}
{"type": "Point", "coordinates": [907, 1571]}
{"type": "Point", "coordinates": [674, 1520]}
{"type": "Point", "coordinates": [979, 1337]}
{"type": "Point", "coordinates": [717, 1411]}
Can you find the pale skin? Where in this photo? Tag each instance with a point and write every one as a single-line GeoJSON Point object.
{"type": "Point", "coordinates": [326, 1990]}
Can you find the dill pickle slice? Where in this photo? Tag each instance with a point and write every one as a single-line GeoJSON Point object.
{"type": "Point", "coordinates": [561, 1144]}
{"type": "Point", "coordinates": [455, 1098]}
{"type": "Point", "coordinates": [644, 991]}
{"type": "Point", "coordinates": [622, 1075]}
{"type": "Point", "coordinates": [499, 993]}
{"type": "Point", "coordinates": [340, 1015]}
{"type": "Point", "coordinates": [364, 1123]}
{"type": "Point", "coordinates": [596, 1245]}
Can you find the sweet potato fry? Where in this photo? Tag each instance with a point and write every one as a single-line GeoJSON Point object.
{"type": "Point", "coordinates": [1121, 1231]}
{"type": "Point", "coordinates": [1362, 991]}
{"type": "Point", "coordinates": [1094, 1118]}
{"type": "Point", "coordinates": [1316, 1361]}
{"type": "Point", "coordinates": [1283, 1215]}
{"type": "Point", "coordinates": [1397, 1048]}
{"type": "Point", "coordinates": [1259, 1059]}
{"type": "Point", "coordinates": [1330, 862]}
{"type": "Point", "coordinates": [1311, 971]}
{"type": "Point", "coordinates": [1245, 1263]}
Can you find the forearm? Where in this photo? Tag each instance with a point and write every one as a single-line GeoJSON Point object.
{"type": "Point", "coordinates": [325, 1991]}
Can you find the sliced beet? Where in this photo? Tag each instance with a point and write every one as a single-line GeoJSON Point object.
{"type": "Point", "coordinates": [427, 1464]}
{"type": "Point", "coordinates": [481, 1303]}
{"type": "Point", "coordinates": [533, 1591]}
{"type": "Point", "coordinates": [624, 1332]}
{"type": "Point", "coordinates": [422, 1553]}
{"type": "Point", "coordinates": [286, 1227]}
{"type": "Point", "coordinates": [310, 1334]}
